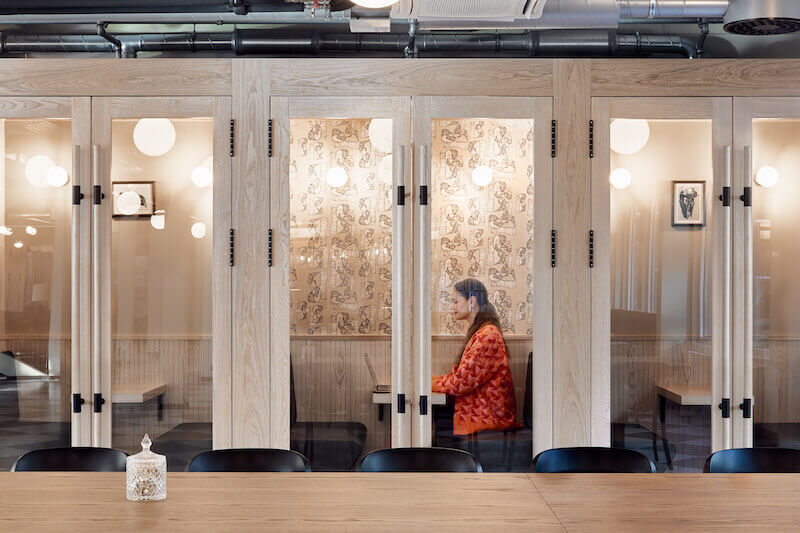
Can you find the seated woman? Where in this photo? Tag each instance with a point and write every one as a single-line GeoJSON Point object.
{"type": "Point", "coordinates": [481, 379]}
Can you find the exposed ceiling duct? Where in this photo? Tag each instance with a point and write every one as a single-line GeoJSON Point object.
{"type": "Point", "coordinates": [456, 9]}
{"type": "Point", "coordinates": [763, 17]}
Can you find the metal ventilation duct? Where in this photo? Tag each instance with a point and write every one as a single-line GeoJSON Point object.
{"type": "Point", "coordinates": [763, 17]}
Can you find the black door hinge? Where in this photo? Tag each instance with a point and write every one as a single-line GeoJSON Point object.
{"type": "Point", "coordinates": [269, 247]}
{"type": "Point", "coordinates": [233, 136]}
{"type": "Point", "coordinates": [591, 248]}
{"type": "Point", "coordinates": [553, 248]}
{"type": "Point", "coordinates": [77, 195]}
{"type": "Point", "coordinates": [725, 197]}
{"type": "Point", "coordinates": [98, 402]}
{"type": "Point", "coordinates": [553, 138]}
{"type": "Point", "coordinates": [231, 247]}
{"type": "Point", "coordinates": [401, 195]}
{"type": "Point", "coordinates": [423, 195]}
{"type": "Point", "coordinates": [401, 403]}
{"type": "Point", "coordinates": [747, 408]}
{"type": "Point", "coordinates": [591, 139]}
{"type": "Point", "coordinates": [77, 401]}
{"type": "Point", "coordinates": [725, 407]}
{"type": "Point", "coordinates": [747, 197]}
{"type": "Point", "coordinates": [269, 137]}
{"type": "Point", "coordinates": [97, 195]}
{"type": "Point", "coordinates": [423, 405]}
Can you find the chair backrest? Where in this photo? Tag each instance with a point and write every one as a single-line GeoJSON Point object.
{"type": "Point", "coordinates": [754, 460]}
{"type": "Point", "coordinates": [419, 460]}
{"type": "Point", "coordinates": [72, 459]}
{"type": "Point", "coordinates": [249, 460]}
{"type": "Point", "coordinates": [592, 460]}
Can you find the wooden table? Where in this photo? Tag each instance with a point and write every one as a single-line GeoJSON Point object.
{"type": "Point", "coordinates": [139, 393]}
{"type": "Point", "coordinates": [89, 501]}
{"type": "Point", "coordinates": [693, 395]}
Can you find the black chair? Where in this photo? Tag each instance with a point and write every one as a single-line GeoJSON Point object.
{"type": "Point", "coordinates": [419, 460]}
{"type": "Point", "coordinates": [592, 460]}
{"type": "Point", "coordinates": [72, 459]}
{"type": "Point", "coordinates": [329, 446]}
{"type": "Point", "coordinates": [249, 460]}
{"type": "Point", "coordinates": [754, 460]}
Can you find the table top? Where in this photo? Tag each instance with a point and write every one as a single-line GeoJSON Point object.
{"type": "Point", "coordinates": [95, 501]}
{"type": "Point", "coordinates": [686, 394]}
{"type": "Point", "coordinates": [136, 393]}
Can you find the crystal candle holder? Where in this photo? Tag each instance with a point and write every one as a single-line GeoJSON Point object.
{"type": "Point", "coordinates": [146, 475]}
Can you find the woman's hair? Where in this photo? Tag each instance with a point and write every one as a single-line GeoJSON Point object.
{"type": "Point", "coordinates": [486, 312]}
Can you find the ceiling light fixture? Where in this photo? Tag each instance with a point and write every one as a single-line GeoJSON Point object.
{"type": "Point", "coordinates": [336, 176]}
{"type": "Point", "coordinates": [482, 176]}
{"type": "Point", "coordinates": [374, 4]}
{"type": "Point", "coordinates": [380, 134]}
{"type": "Point", "coordinates": [629, 136]}
{"type": "Point", "coordinates": [57, 177]}
{"type": "Point", "coordinates": [767, 176]}
{"type": "Point", "coordinates": [154, 136]}
{"type": "Point", "coordinates": [36, 170]}
{"type": "Point", "coordinates": [620, 178]}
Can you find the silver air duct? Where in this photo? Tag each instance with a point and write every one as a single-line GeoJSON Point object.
{"type": "Point", "coordinates": [763, 17]}
{"type": "Point", "coordinates": [672, 9]}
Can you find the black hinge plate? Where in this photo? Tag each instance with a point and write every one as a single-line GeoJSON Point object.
{"type": "Point", "coordinates": [591, 248]}
{"type": "Point", "coordinates": [553, 248]}
{"type": "Point", "coordinates": [77, 195]}
{"type": "Point", "coordinates": [401, 195]}
{"type": "Point", "coordinates": [747, 407]}
{"type": "Point", "coordinates": [747, 197]}
{"type": "Point", "coordinates": [269, 247]}
{"type": "Point", "coordinates": [232, 137]}
{"type": "Point", "coordinates": [423, 195]}
{"type": "Point", "coordinates": [725, 197]}
{"type": "Point", "coordinates": [97, 195]}
{"type": "Point", "coordinates": [725, 407]}
{"type": "Point", "coordinates": [232, 247]}
{"type": "Point", "coordinates": [591, 139]}
{"type": "Point", "coordinates": [77, 401]}
{"type": "Point", "coordinates": [401, 403]}
{"type": "Point", "coordinates": [553, 139]}
{"type": "Point", "coordinates": [98, 403]}
{"type": "Point", "coordinates": [269, 137]}
{"type": "Point", "coordinates": [423, 405]}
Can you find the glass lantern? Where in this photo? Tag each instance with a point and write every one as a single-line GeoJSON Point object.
{"type": "Point", "coordinates": [146, 475]}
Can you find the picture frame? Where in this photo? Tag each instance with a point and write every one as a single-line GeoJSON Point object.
{"type": "Point", "coordinates": [146, 191]}
{"type": "Point", "coordinates": [688, 203]}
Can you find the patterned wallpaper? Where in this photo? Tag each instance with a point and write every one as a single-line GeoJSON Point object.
{"type": "Point", "coordinates": [483, 232]}
{"type": "Point", "coordinates": [340, 273]}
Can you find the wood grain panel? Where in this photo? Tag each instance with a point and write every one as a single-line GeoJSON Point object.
{"type": "Point", "coordinates": [102, 77]}
{"type": "Point", "coordinates": [400, 77]}
{"type": "Point", "coordinates": [251, 278]}
{"type": "Point", "coordinates": [571, 286]}
{"type": "Point", "coordinates": [685, 77]}
{"type": "Point", "coordinates": [30, 108]}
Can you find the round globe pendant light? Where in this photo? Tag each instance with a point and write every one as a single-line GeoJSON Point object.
{"type": "Point", "coordinates": [336, 177]}
{"type": "Point", "coordinates": [629, 136]}
{"type": "Point", "coordinates": [380, 134]}
{"type": "Point", "coordinates": [767, 176]}
{"type": "Point", "coordinates": [57, 177]}
{"type": "Point", "coordinates": [158, 219]}
{"type": "Point", "coordinates": [620, 178]}
{"type": "Point", "coordinates": [198, 230]}
{"type": "Point", "coordinates": [482, 176]}
{"type": "Point", "coordinates": [129, 202]}
{"type": "Point", "coordinates": [375, 4]}
{"type": "Point", "coordinates": [154, 136]}
{"type": "Point", "coordinates": [36, 170]}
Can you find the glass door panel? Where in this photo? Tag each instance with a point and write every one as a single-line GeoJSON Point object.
{"type": "Point", "coordinates": [348, 366]}
{"type": "Point", "coordinates": [771, 365]}
{"type": "Point", "coordinates": [37, 270]}
{"type": "Point", "coordinates": [165, 173]}
{"type": "Point", "coordinates": [476, 264]}
{"type": "Point", "coordinates": [661, 165]}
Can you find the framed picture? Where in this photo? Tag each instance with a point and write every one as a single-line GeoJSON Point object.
{"type": "Point", "coordinates": [688, 203]}
{"type": "Point", "coordinates": [133, 199]}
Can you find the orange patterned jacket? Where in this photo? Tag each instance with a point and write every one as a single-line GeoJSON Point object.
{"type": "Point", "coordinates": [482, 385]}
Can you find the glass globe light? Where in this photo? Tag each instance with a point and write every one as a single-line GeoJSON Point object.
{"type": "Point", "coordinates": [767, 176]}
{"type": "Point", "coordinates": [336, 176]}
{"type": "Point", "coordinates": [375, 4]}
{"type": "Point", "coordinates": [129, 202]}
{"type": "Point", "coordinates": [154, 136]}
{"type": "Point", "coordinates": [629, 136]}
{"type": "Point", "coordinates": [201, 176]}
{"type": "Point", "coordinates": [620, 178]}
{"type": "Point", "coordinates": [158, 220]}
{"type": "Point", "coordinates": [482, 176]}
{"type": "Point", "coordinates": [57, 177]}
{"type": "Point", "coordinates": [380, 134]}
{"type": "Point", "coordinates": [36, 170]}
{"type": "Point", "coordinates": [384, 169]}
{"type": "Point", "coordinates": [18, 244]}
{"type": "Point", "coordinates": [30, 230]}
{"type": "Point", "coordinates": [198, 230]}
{"type": "Point", "coordinates": [5, 230]}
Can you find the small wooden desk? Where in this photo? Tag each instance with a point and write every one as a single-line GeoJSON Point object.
{"type": "Point", "coordinates": [139, 393]}
{"type": "Point", "coordinates": [695, 395]}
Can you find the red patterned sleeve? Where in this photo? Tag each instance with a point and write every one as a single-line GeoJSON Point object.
{"type": "Point", "coordinates": [482, 358]}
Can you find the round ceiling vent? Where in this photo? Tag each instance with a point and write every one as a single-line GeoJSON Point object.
{"type": "Point", "coordinates": [765, 17]}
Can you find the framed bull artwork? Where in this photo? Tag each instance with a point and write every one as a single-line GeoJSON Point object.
{"type": "Point", "coordinates": [688, 203]}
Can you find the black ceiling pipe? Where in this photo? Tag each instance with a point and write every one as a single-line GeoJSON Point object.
{"type": "Point", "coordinates": [42, 7]}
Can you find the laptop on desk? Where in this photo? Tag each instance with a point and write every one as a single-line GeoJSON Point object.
{"type": "Point", "coordinates": [378, 387]}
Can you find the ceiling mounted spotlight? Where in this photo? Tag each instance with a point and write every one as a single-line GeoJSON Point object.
{"type": "Point", "coordinates": [762, 17]}
{"type": "Point", "coordinates": [375, 4]}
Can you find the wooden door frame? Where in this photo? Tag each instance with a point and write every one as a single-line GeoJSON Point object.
{"type": "Point", "coordinates": [104, 111]}
{"type": "Point", "coordinates": [603, 110]}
